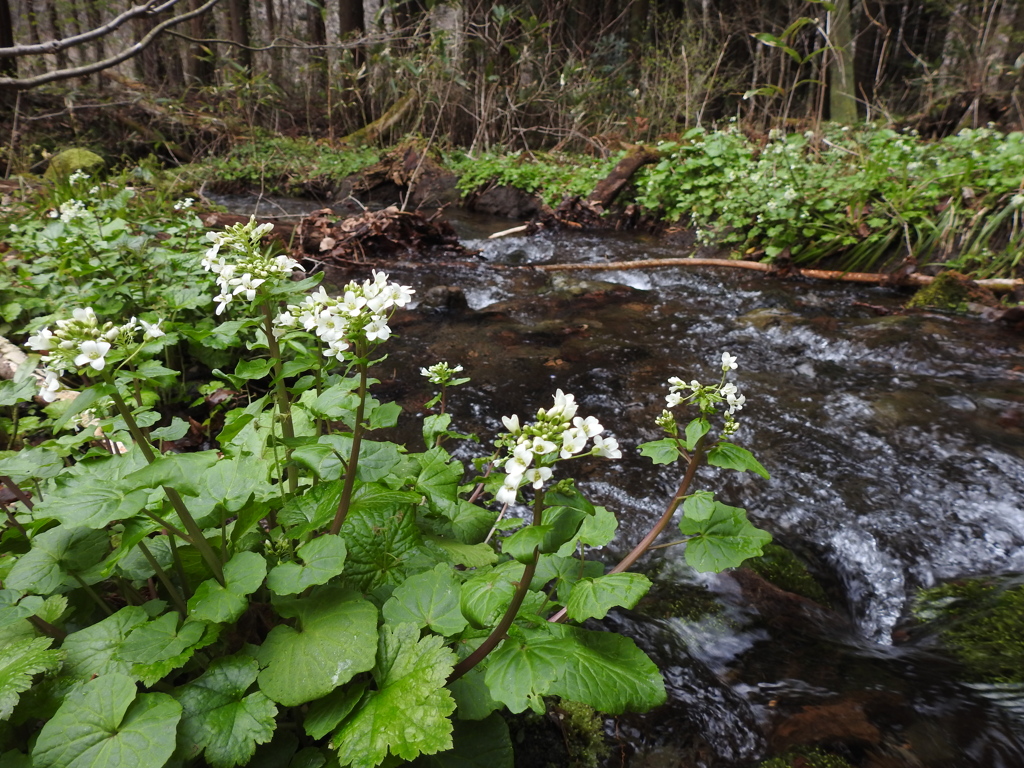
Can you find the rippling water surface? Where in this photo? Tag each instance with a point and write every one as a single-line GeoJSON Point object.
{"type": "Point", "coordinates": [895, 444]}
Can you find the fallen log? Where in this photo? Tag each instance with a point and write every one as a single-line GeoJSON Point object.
{"type": "Point", "coordinates": [1002, 285]}
{"type": "Point", "coordinates": [608, 188]}
{"type": "Point", "coordinates": [369, 134]}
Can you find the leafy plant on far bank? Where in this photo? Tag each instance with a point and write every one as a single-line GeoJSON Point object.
{"type": "Point", "coordinates": [864, 196]}
{"type": "Point", "coordinates": [309, 593]}
{"type": "Point", "coordinates": [283, 165]}
{"type": "Point", "coordinates": [551, 177]}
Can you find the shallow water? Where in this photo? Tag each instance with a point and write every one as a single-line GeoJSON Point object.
{"type": "Point", "coordinates": [895, 444]}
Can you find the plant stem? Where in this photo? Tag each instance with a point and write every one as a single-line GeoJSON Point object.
{"type": "Point", "coordinates": [198, 540]}
{"type": "Point", "coordinates": [353, 459]}
{"type": "Point", "coordinates": [13, 488]}
{"type": "Point", "coordinates": [281, 393]}
{"type": "Point", "coordinates": [47, 628]}
{"type": "Point", "coordinates": [179, 567]}
{"type": "Point", "coordinates": [172, 592]}
{"type": "Point", "coordinates": [648, 540]}
{"type": "Point", "coordinates": [92, 593]}
{"type": "Point", "coordinates": [498, 634]}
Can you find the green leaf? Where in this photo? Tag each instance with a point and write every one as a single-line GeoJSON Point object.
{"type": "Point", "coordinates": [593, 598]}
{"type": "Point", "coordinates": [429, 599]}
{"type": "Point", "coordinates": [439, 475]}
{"type": "Point", "coordinates": [85, 400]}
{"type": "Point", "coordinates": [176, 430]}
{"type": "Point", "coordinates": [695, 430]}
{"type": "Point", "coordinates": [312, 510]}
{"type": "Point", "coordinates": [384, 416]}
{"type": "Point", "coordinates": [182, 471]}
{"type": "Point", "coordinates": [483, 744]}
{"type": "Point", "coordinates": [105, 724]}
{"type": "Point", "coordinates": [434, 425]}
{"type": "Point", "coordinates": [597, 530]}
{"type": "Point", "coordinates": [218, 718]}
{"type": "Point", "coordinates": [160, 639]}
{"type": "Point", "coordinates": [338, 402]}
{"type": "Point", "coordinates": [55, 555]}
{"type": "Point", "coordinates": [699, 506]}
{"type": "Point", "coordinates": [723, 540]}
{"type": "Point", "coordinates": [664, 451]}
{"type": "Point", "coordinates": [325, 714]}
{"type": "Point", "coordinates": [323, 558]}
{"type": "Point", "coordinates": [95, 493]}
{"type": "Point", "coordinates": [212, 602]}
{"type": "Point", "coordinates": [408, 714]}
{"type": "Point", "coordinates": [149, 672]}
{"type": "Point", "coordinates": [602, 669]}
{"type": "Point", "coordinates": [20, 660]}
{"type": "Point", "coordinates": [731, 456]}
{"type": "Point", "coordinates": [334, 638]}
{"type": "Point", "coordinates": [232, 482]}
{"type": "Point", "coordinates": [525, 544]}
{"type": "Point", "coordinates": [560, 526]}
{"type": "Point", "coordinates": [95, 650]}
{"type": "Point", "coordinates": [468, 555]}
{"type": "Point", "coordinates": [381, 539]}
{"type": "Point", "coordinates": [27, 463]}
{"type": "Point", "coordinates": [485, 595]}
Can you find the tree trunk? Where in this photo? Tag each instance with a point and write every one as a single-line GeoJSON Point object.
{"type": "Point", "coordinates": [842, 86]}
{"type": "Point", "coordinates": [8, 67]}
{"type": "Point", "coordinates": [238, 12]}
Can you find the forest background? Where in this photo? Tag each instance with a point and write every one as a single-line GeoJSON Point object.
{"type": "Point", "coordinates": [569, 74]}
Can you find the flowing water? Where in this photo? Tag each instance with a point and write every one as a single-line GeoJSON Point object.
{"type": "Point", "coordinates": [895, 444]}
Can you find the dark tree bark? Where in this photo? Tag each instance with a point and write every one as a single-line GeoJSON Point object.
{"type": "Point", "coordinates": [238, 13]}
{"type": "Point", "coordinates": [8, 67]}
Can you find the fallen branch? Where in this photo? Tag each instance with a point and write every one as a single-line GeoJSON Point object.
{"type": "Point", "coordinates": [915, 279]}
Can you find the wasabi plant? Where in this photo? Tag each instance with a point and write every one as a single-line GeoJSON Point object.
{"type": "Point", "coordinates": [306, 591]}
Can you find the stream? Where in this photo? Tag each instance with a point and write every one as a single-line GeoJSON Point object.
{"type": "Point", "coordinates": [895, 444]}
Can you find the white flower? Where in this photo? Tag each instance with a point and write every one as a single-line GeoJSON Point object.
{"type": "Point", "coordinates": [591, 426]}
{"type": "Point", "coordinates": [377, 329]}
{"type": "Point", "coordinates": [50, 387]}
{"type": "Point", "coordinates": [607, 447]}
{"type": "Point", "coordinates": [564, 407]}
{"type": "Point", "coordinates": [352, 304]}
{"type": "Point", "coordinates": [727, 390]}
{"type": "Point", "coordinates": [91, 353]}
{"type": "Point", "coordinates": [672, 399]}
{"type": "Point", "coordinates": [735, 402]}
{"type": "Point", "coordinates": [573, 442]}
{"type": "Point", "coordinates": [247, 284]}
{"type": "Point", "coordinates": [84, 315]}
{"type": "Point", "coordinates": [523, 452]}
{"type": "Point", "coordinates": [222, 301]}
{"type": "Point", "coordinates": [541, 447]}
{"type": "Point", "coordinates": [152, 330]}
{"type": "Point", "coordinates": [506, 494]}
{"type": "Point", "coordinates": [511, 423]}
{"type": "Point", "coordinates": [538, 476]}
{"type": "Point", "coordinates": [330, 327]}
{"type": "Point", "coordinates": [42, 341]}
{"type": "Point", "coordinates": [184, 204]}
{"type": "Point", "coordinates": [728, 362]}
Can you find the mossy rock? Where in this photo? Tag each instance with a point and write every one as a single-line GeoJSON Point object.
{"type": "Point", "coordinates": [981, 622]}
{"type": "Point", "coordinates": [63, 164]}
{"type": "Point", "coordinates": [786, 571]}
{"type": "Point", "coordinates": [807, 757]}
{"type": "Point", "coordinates": [953, 292]}
{"type": "Point", "coordinates": [583, 731]}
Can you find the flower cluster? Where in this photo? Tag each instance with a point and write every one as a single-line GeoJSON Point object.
{"type": "Point", "coordinates": [81, 342]}
{"type": "Point", "coordinates": [70, 210]}
{"type": "Point", "coordinates": [359, 314]}
{"type": "Point", "coordinates": [558, 433]}
{"type": "Point", "coordinates": [707, 397]}
{"type": "Point", "coordinates": [240, 264]}
{"type": "Point", "coordinates": [442, 374]}
{"type": "Point", "coordinates": [184, 204]}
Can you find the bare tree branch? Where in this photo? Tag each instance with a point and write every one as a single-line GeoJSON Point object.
{"type": "Point", "coordinates": [52, 46]}
{"type": "Point", "coordinates": [24, 83]}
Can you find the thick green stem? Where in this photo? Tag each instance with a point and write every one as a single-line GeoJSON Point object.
{"type": "Point", "coordinates": [47, 628]}
{"type": "Point", "coordinates": [281, 393]}
{"type": "Point", "coordinates": [129, 420]}
{"type": "Point", "coordinates": [179, 567]}
{"type": "Point", "coordinates": [172, 592]}
{"type": "Point", "coordinates": [353, 459]}
{"type": "Point", "coordinates": [666, 518]}
{"type": "Point", "coordinates": [92, 593]}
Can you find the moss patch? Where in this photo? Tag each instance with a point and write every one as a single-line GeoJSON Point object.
{"type": "Point", "coordinates": [67, 162]}
{"type": "Point", "coordinates": [786, 571]}
{"type": "Point", "coordinates": [583, 730]}
{"type": "Point", "coordinates": [952, 292]}
{"type": "Point", "coordinates": [807, 757]}
{"type": "Point", "coordinates": [982, 623]}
